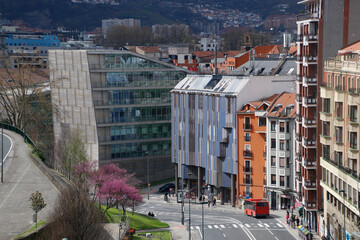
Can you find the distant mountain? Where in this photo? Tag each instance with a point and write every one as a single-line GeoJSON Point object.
{"type": "Point", "coordinates": [65, 13]}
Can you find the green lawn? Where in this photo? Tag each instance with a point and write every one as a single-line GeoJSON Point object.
{"type": "Point", "coordinates": [157, 235]}
{"type": "Point", "coordinates": [39, 224]}
{"type": "Point", "coordinates": [137, 221]}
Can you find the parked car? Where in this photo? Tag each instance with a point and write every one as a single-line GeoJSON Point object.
{"type": "Point", "coordinates": [166, 187]}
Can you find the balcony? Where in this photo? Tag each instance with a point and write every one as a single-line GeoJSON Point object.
{"type": "Point", "coordinates": [307, 122]}
{"type": "Point", "coordinates": [298, 117]}
{"type": "Point", "coordinates": [247, 153]}
{"type": "Point", "coordinates": [247, 169]}
{"type": "Point", "coordinates": [348, 171]}
{"type": "Point", "coordinates": [298, 176]}
{"type": "Point", "coordinates": [310, 59]}
{"type": "Point", "coordinates": [298, 156]}
{"type": "Point", "coordinates": [307, 81]}
{"type": "Point", "coordinates": [354, 91]}
{"type": "Point", "coordinates": [299, 78]}
{"type": "Point", "coordinates": [309, 185]}
{"type": "Point", "coordinates": [299, 37]}
{"type": "Point", "coordinates": [298, 98]}
{"type": "Point", "coordinates": [310, 37]}
{"type": "Point", "coordinates": [309, 205]}
{"type": "Point", "coordinates": [309, 164]}
{"type": "Point", "coordinates": [299, 196]}
{"type": "Point", "coordinates": [309, 102]}
{"type": "Point", "coordinates": [309, 143]}
{"type": "Point", "coordinates": [339, 87]}
{"type": "Point", "coordinates": [298, 137]}
{"type": "Point", "coordinates": [247, 126]}
{"type": "Point", "coordinates": [299, 58]}
{"type": "Point", "coordinates": [307, 16]}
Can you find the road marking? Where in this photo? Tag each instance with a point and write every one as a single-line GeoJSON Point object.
{"type": "Point", "coordinates": [235, 226]}
{"type": "Point", "coordinates": [247, 225]}
{"type": "Point", "coordinates": [222, 226]}
{"type": "Point", "coordinates": [260, 225]}
{"type": "Point", "coordinates": [192, 228]}
{"type": "Point", "coordinates": [10, 148]}
{"type": "Point", "coordinates": [216, 226]}
{"type": "Point", "coordinates": [280, 225]}
{"type": "Point", "coordinates": [209, 226]}
{"type": "Point", "coordinates": [197, 227]}
{"type": "Point", "coordinates": [224, 235]}
{"type": "Point", "coordinates": [266, 225]}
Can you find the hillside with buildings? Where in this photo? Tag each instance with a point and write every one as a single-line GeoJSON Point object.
{"type": "Point", "coordinates": [65, 13]}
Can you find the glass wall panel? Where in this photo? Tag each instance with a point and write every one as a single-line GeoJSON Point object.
{"type": "Point", "coordinates": [141, 149]}
{"type": "Point", "coordinates": [140, 114]}
{"type": "Point", "coordinates": [139, 96]}
{"type": "Point", "coordinates": [141, 131]}
{"type": "Point", "coordinates": [127, 61]}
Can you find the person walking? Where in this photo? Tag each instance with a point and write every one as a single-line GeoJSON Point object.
{"type": "Point", "coordinates": [297, 221]}
{"type": "Point", "coordinates": [287, 218]}
{"type": "Point", "coordinates": [214, 202]}
{"type": "Point", "coordinates": [209, 202]}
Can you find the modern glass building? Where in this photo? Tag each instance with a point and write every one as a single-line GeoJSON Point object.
{"type": "Point", "coordinates": [121, 102]}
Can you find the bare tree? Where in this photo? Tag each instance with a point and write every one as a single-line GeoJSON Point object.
{"type": "Point", "coordinates": [75, 217]}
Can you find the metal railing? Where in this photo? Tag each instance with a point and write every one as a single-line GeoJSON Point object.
{"type": "Point", "coordinates": [247, 153]}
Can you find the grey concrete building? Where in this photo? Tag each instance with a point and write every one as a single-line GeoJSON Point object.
{"type": "Point", "coordinates": [121, 103]}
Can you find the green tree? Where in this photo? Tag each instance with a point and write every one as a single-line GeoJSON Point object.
{"type": "Point", "coordinates": [37, 203]}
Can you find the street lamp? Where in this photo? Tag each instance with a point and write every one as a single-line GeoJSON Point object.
{"type": "Point", "coordinates": [343, 191]}
{"type": "Point", "coordinates": [182, 198]}
{"type": "Point", "coordinates": [148, 175]}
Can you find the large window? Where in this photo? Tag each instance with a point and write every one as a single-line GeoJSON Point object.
{"type": "Point", "coordinates": [282, 162]}
{"type": "Point", "coordinates": [273, 143]}
{"type": "Point", "coordinates": [339, 109]}
{"type": "Point", "coordinates": [326, 129]}
{"type": "Point", "coordinates": [141, 131]}
{"type": "Point", "coordinates": [138, 114]}
{"type": "Point", "coordinates": [282, 144]}
{"type": "Point", "coordinates": [273, 179]}
{"type": "Point", "coordinates": [282, 181]}
{"type": "Point", "coordinates": [262, 121]}
{"type": "Point", "coordinates": [353, 140]}
{"type": "Point", "coordinates": [326, 105]}
{"type": "Point", "coordinates": [282, 126]}
{"type": "Point", "coordinates": [140, 149]}
{"type": "Point", "coordinates": [139, 96]}
{"type": "Point", "coordinates": [353, 114]}
{"type": "Point", "coordinates": [339, 134]}
{"type": "Point", "coordinates": [247, 137]}
{"type": "Point", "coordinates": [273, 126]}
{"type": "Point", "coordinates": [129, 61]}
{"type": "Point", "coordinates": [273, 161]}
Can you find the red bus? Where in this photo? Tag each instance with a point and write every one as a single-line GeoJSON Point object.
{"type": "Point", "coordinates": [256, 207]}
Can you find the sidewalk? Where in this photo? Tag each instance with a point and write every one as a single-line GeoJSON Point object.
{"type": "Point", "coordinates": [179, 231]}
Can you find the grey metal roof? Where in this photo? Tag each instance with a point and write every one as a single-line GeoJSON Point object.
{"type": "Point", "coordinates": [266, 66]}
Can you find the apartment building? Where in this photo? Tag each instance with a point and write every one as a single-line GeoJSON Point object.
{"type": "Point", "coordinates": [251, 136]}
{"type": "Point", "coordinates": [280, 152]}
{"type": "Point", "coordinates": [120, 102]}
{"type": "Point", "coordinates": [325, 27]}
{"type": "Point", "coordinates": [204, 134]}
{"type": "Point", "coordinates": [340, 131]}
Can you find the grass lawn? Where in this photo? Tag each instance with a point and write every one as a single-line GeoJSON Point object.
{"type": "Point", "coordinates": [157, 235]}
{"type": "Point", "coordinates": [39, 224]}
{"type": "Point", "coordinates": [137, 221]}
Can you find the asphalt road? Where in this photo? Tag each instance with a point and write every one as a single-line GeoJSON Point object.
{"type": "Point", "coordinates": [220, 224]}
{"type": "Point", "coordinates": [7, 144]}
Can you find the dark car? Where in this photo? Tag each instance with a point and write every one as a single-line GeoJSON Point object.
{"type": "Point", "coordinates": [166, 187]}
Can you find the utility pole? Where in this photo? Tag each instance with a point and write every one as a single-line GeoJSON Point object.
{"type": "Point", "coordinates": [148, 176]}
{"type": "Point", "coordinates": [2, 154]}
{"type": "Point", "coordinates": [189, 219]}
{"type": "Point", "coordinates": [182, 198]}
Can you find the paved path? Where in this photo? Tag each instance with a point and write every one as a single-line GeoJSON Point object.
{"type": "Point", "coordinates": [21, 178]}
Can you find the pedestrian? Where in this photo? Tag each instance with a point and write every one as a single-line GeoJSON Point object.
{"type": "Point", "coordinates": [209, 202]}
{"type": "Point", "coordinates": [287, 218]}
{"type": "Point", "coordinates": [297, 221]}
{"type": "Point", "coordinates": [214, 202]}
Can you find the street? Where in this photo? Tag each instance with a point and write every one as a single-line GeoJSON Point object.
{"type": "Point", "coordinates": [220, 222]}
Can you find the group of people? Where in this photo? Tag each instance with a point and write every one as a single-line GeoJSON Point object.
{"type": "Point", "coordinates": [292, 219]}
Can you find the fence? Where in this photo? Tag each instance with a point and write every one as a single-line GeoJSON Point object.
{"type": "Point", "coordinates": [18, 131]}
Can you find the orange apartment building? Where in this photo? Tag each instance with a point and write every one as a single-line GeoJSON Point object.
{"type": "Point", "coordinates": [251, 132]}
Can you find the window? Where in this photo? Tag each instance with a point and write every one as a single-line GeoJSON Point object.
{"type": "Point", "coordinates": [282, 162]}
{"type": "Point", "coordinates": [273, 126]}
{"type": "Point", "coordinates": [282, 144]}
{"type": "Point", "coordinates": [326, 129]}
{"type": "Point", "coordinates": [287, 127]}
{"type": "Point", "coordinates": [273, 179]}
{"type": "Point", "coordinates": [339, 109]}
{"type": "Point", "coordinates": [326, 105]}
{"type": "Point", "coordinates": [287, 181]}
{"type": "Point", "coordinates": [287, 145]}
{"type": "Point", "coordinates": [247, 123]}
{"type": "Point", "coordinates": [273, 143]}
{"type": "Point", "coordinates": [338, 157]}
{"type": "Point", "coordinates": [353, 114]}
{"type": "Point", "coordinates": [282, 126]}
{"type": "Point", "coordinates": [287, 162]}
{"type": "Point", "coordinates": [262, 121]}
{"type": "Point", "coordinates": [273, 161]}
{"type": "Point", "coordinates": [247, 137]}
{"type": "Point", "coordinates": [282, 181]}
{"type": "Point", "coordinates": [326, 151]}
{"type": "Point", "coordinates": [353, 140]}
{"type": "Point", "coordinates": [338, 134]}
{"type": "Point", "coordinates": [247, 179]}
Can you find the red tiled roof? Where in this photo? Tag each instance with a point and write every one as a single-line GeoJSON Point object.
{"type": "Point", "coordinates": [263, 51]}
{"type": "Point", "coordinates": [257, 104]}
{"type": "Point", "coordinates": [150, 49]}
{"type": "Point", "coordinates": [232, 53]}
{"type": "Point", "coordinates": [352, 47]}
{"type": "Point", "coordinates": [285, 99]}
{"type": "Point", "coordinates": [207, 54]}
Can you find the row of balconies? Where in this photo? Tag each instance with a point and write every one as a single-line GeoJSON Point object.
{"type": "Point", "coordinates": [307, 16]}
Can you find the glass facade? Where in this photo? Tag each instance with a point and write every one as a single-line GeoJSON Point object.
{"type": "Point", "coordinates": [141, 149]}
{"type": "Point", "coordinates": [140, 114]}
{"type": "Point", "coordinates": [129, 61]}
{"type": "Point", "coordinates": [144, 79]}
{"type": "Point", "coordinates": [139, 96]}
{"type": "Point", "coordinates": [141, 131]}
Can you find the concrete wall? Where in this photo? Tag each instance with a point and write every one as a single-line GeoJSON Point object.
{"type": "Point", "coordinates": [72, 93]}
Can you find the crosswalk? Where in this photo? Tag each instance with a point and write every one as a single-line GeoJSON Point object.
{"type": "Point", "coordinates": [251, 226]}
